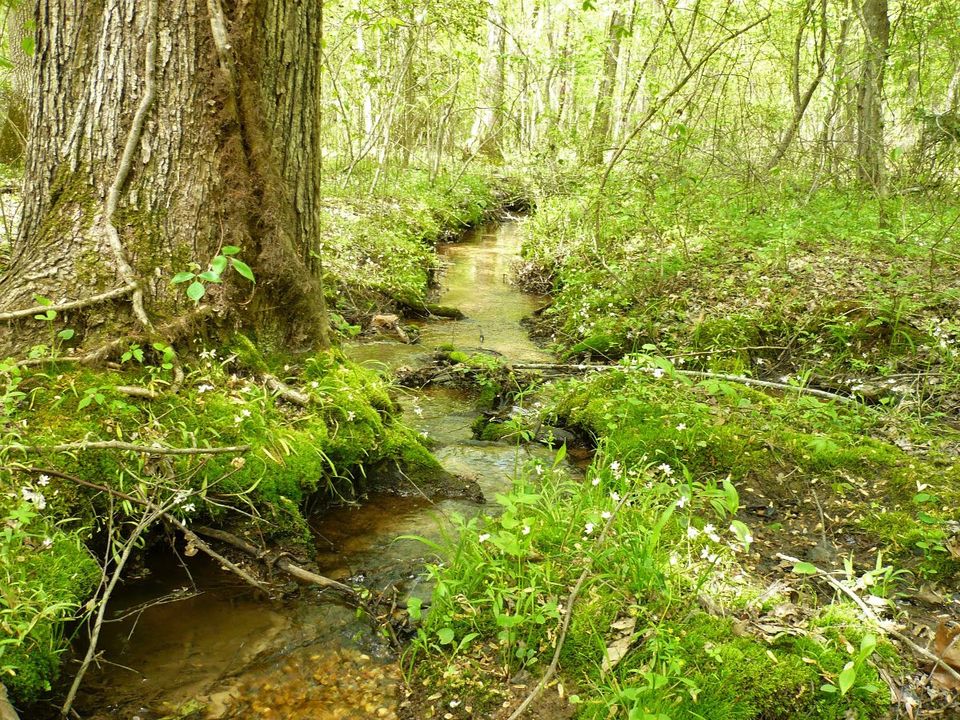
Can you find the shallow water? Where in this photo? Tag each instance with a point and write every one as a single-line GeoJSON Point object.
{"type": "Point", "coordinates": [190, 632]}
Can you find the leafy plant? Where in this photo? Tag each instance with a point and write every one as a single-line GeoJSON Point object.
{"type": "Point", "coordinates": [214, 273]}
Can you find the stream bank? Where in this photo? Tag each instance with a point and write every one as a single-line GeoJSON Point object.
{"type": "Point", "coordinates": [189, 639]}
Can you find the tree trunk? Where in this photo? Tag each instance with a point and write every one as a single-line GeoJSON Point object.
{"type": "Point", "coordinates": [227, 154]}
{"type": "Point", "coordinates": [600, 130]}
{"type": "Point", "coordinates": [488, 121]}
{"type": "Point", "coordinates": [876, 27]}
{"type": "Point", "coordinates": [13, 132]}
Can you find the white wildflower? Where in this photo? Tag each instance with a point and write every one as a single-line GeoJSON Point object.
{"type": "Point", "coordinates": [47, 542]}
{"type": "Point", "coordinates": [588, 528]}
{"type": "Point", "coordinates": [418, 411]}
{"type": "Point", "coordinates": [314, 384]}
{"type": "Point", "coordinates": [204, 388]}
{"type": "Point", "coordinates": [615, 496]}
{"type": "Point", "coordinates": [615, 468]}
{"type": "Point", "coordinates": [245, 413]}
{"type": "Point", "coordinates": [595, 481]}
{"type": "Point", "coordinates": [606, 515]}
{"type": "Point", "coordinates": [711, 532]}
{"type": "Point", "coordinates": [538, 469]}
{"type": "Point", "coordinates": [658, 373]}
{"type": "Point", "coordinates": [681, 502]}
{"type": "Point", "coordinates": [708, 556]}
{"type": "Point", "coordinates": [43, 480]}
{"type": "Point", "coordinates": [351, 415]}
{"type": "Point", "coordinates": [681, 427]}
{"type": "Point", "coordinates": [526, 530]}
{"type": "Point", "coordinates": [189, 508]}
{"type": "Point", "coordinates": [692, 532]}
{"type": "Point", "coordinates": [665, 469]}
{"type": "Point", "coordinates": [483, 537]}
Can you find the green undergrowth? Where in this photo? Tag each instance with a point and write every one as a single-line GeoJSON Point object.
{"type": "Point", "coordinates": [658, 532]}
{"type": "Point", "coordinates": [382, 247]}
{"type": "Point", "coordinates": [295, 456]}
{"type": "Point", "coordinates": [760, 278]}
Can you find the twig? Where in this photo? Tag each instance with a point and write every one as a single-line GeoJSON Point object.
{"type": "Point", "coordinates": [71, 305]}
{"type": "Point", "coordinates": [189, 534]}
{"type": "Point", "coordinates": [129, 545]}
{"type": "Point", "coordinates": [883, 625]}
{"type": "Point", "coordinates": [118, 445]}
{"type": "Point", "coordinates": [565, 625]}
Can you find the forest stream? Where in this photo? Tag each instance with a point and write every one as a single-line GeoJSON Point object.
{"type": "Point", "coordinates": [190, 633]}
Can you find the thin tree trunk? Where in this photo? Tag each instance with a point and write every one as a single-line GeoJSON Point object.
{"type": "Point", "coordinates": [876, 26]}
{"type": "Point", "coordinates": [600, 130]}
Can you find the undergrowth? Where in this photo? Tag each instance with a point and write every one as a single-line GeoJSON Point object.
{"type": "Point", "coordinates": [668, 622]}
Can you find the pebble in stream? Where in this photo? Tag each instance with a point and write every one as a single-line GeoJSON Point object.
{"type": "Point", "coordinates": [342, 685]}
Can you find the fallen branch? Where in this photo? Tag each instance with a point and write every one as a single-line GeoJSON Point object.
{"type": "Point", "coordinates": [72, 305]}
{"type": "Point", "coordinates": [884, 625]}
{"type": "Point", "coordinates": [743, 380]}
{"type": "Point", "coordinates": [137, 391]}
{"type": "Point", "coordinates": [284, 391]}
{"type": "Point", "coordinates": [281, 562]}
{"type": "Point", "coordinates": [118, 445]}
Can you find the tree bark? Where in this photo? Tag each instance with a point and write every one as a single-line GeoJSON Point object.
{"type": "Point", "coordinates": [228, 154]}
{"type": "Point", "coordinates": [876, 27]}
{"type": "Point", "coordinates": [600, 130]}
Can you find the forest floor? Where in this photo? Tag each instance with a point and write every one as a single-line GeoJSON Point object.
{"type": "Point", "coordinates": [778, 552]}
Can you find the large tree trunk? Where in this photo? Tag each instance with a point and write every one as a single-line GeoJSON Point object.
{"type": "Point", "coordinates": [227, 154]}
{"type": "Point", "coordinates": [876, 27]}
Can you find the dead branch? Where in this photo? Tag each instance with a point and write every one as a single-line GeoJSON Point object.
{"type": "Point", "coordinates": [71, 305]}
{"type": "Point", "coordinates": [567, 617]}
{"type": "Point", "coordinates": [283, 563]}
{"type": "Point", "coordinates": [885, 626]}
{"type": "Point", "coordinates": [137, 391]}
{"type": "Point", "coordinates": [285, 392]}
{"type": "Point", "coordinates": [741, 379]}
{"type": "Point", "coordinates": [118, 445]}
{"type": "Point", "coordinates": [189, 534]}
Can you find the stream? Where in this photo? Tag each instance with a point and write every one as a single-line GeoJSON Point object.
{"type": "Point", "coordinates": [191, 632]}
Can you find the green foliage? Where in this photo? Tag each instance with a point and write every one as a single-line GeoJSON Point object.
{"type": "Point", "coordinates": [214, 273]}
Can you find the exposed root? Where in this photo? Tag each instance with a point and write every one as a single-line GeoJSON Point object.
{"type": "Point", "coordinates": [285, 392]}
{"type": "Point", "coordinates": [72, 305]}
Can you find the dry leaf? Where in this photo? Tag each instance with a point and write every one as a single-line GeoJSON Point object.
{"type": "Point", "coordinates": [618, 649]}
{"type": "Point", "coordinates": [946, 645]}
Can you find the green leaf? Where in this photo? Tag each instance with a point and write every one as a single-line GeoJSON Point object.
{"type": "Point", "coordinates": [847, 677]}
{"type": "Point", "coordinates": [209, 276]}
{"type": "Point", "coordinates": [241, 267]}
{"type": "Point", "coordinates": [182, 277]}
{"type": "Point", "coordinates": [445, 635]}
{"type": "Point", "coordinates": [28, 45]}
{"type": "Point", "coordinates": [66, 334]}
{"type": "Point", "coordinates": [84, 401]}
{"type": "Point", "coordinates": [561, 454]}
{"type": "Point", "coordinates": [41, 300]}
{"type": "Point", "coordinates": [196, 291]}
{"type": "Point", "coordinates": [414, 608]}
{"type": "Point", "coordinates": [230, 250]}
{"type": "Point", "coordinates": [805, 568]}
{"type": "Point", "coordinates": [219, 264]}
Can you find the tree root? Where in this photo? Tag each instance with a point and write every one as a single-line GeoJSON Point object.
{"type": "Point", "coordinates": [71, 305]}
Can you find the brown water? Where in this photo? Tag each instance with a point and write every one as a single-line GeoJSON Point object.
{"type": "Point", "coordinates": [191, 633]}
